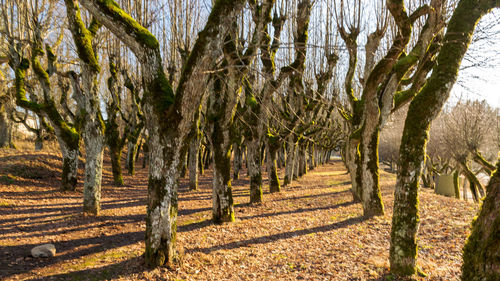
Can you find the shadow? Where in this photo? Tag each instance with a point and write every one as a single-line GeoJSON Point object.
{"type": "Point", "coordinates": [113, 271]}
{"type": "Point", "coordinates": [279, 236]}
{"type": "Point", "coordinates": [73, 225]}
{"type": "Point", "coordinates": [186, 212]}
{"type": "Point", "coordinates": [315, 195]}
{"type": "Point", "coordinates": [75, 209]}
{"type": "Point", "coordinates": [194, 225]}
{"type": "Point", "coordinates": [89, 246]}
{"type": "Point", "coordinates": [297, 211]}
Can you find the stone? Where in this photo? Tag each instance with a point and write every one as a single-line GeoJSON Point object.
{"type": "Point", "coordinates": [44, 251]}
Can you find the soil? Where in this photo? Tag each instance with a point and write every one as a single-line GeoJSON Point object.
{"type": "Point", "coordinates": [312, 230]}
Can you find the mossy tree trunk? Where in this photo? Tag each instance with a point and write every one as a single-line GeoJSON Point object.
{"type": "Point", "coordinates": [273, 145]}
{"type": "Point", "coordinates": [221, 108]}
{"type": "Point", "coordinates": [5, 125]}
{"type": "Point", "coordinates": [475, 185]}
{"type": "Point", "coordinates": [222, 194]}
{"type": "Point", "coordinates": [254, 162]}
{"type": "Point", "coordinates": [481, 252]}
{"type": "Point", "coordinates": [163, 109]}
{"type": "Point", "coordinates": [424, 108]}
{"type": "Point", "coordinates": [352, 162]}
{"type": "Point", "coordinates": [135, 123]}
{"type": "Point", "coordinates": [114, 139]}
{"type": "Point", "coordinates": [88, 97]}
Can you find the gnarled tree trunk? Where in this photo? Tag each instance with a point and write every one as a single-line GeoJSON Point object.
{"type": "Point", "coordinates": [425, 107]}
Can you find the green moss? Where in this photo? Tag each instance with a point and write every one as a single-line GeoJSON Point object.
{"type": "Point", "coordinates": [94, 26]}
{"type": "Point", "coordinates": [161, 93]}
{"type": "Point", "coordinates": [42, 75]}
{"type": "Point", "coordinates": [81, 36]}
{"type": "Point", "coordinates": [143, 36]}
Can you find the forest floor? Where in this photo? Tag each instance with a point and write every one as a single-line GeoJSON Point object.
{"type": "Point", "coordinates": [310, 231]}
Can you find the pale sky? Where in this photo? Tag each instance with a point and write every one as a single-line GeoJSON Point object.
{"type": "Point", "coordinates": [480, 79]}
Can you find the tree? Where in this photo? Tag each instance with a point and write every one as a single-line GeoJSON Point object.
{"type": "Point", "coordinates": [67, 129]}
{"type": "Point", "coordinates": [93, 126]}
{"type": "Point", "coordinates": [425, 107]}
{"type": "Point", "coordinates": [162, 109]}
{"type": "Point", "coordinates": [382, 89]}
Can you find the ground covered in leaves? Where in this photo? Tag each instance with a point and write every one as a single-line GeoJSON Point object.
{"type": "Point", "coordinates": [311, 230]}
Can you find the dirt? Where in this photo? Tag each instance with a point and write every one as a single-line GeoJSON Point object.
{"type": "Point", "coordinates": [310, 231]}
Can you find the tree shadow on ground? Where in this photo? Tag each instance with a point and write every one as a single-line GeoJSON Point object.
{"type": "Point", "coordinates": [112, 271]}
{"type": "Point", "coordinates": [88, 246]}
{"type": "Point", "coordinates": [279, 236]}
{"type": "Point", "coordinates": [297, 211]}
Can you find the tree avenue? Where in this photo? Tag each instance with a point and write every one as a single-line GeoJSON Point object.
{"type": "Point", "coordinates": [274, 87]}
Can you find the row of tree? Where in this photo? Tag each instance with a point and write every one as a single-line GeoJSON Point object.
{"type": "Point", "coordinates": [261, 76]}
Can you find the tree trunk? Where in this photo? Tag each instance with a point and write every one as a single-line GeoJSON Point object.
{"type": "Point", "coordinates": [115, 154]}
{"type": "Point", "coordinates": [5, 128]}
{"type": "Point", "coordinates": [201, 167]}
{"type": "Point", "coordinates": [236, 162]}
{"type": "Point", "coordinates": [352, 162]}
{"type": "Point", "coordinates": [312, 158]}
{"type": "Point", "coordinates": [222, 197]}
{"type": "Point", "coordinates": [289, 165]}
{"type": "Point", "coordinates": [194, 150]}
{"type": "Point", "coordinates": [476, 187]}
{"type": "Point", "coordinates": [481, 252]}
{"type": "Point", "coordinates": [424, 108]}
{"type": "Point", "coordinates": [273, 145]}
{"type": "Point", "coordinates": [302, 158]}
{"type": "Point", "coordinates": [69, 177]}
{"type": "Point", "coordinates": [254, 170]}
{"type": "Point", "coordinates": [133, 148]}
{"type": "Point", "coordinates": [132, 151]}
{"type": "Point", "coordinates": [456, 183]}
{"type": "Point", "coordinates": [93, 138]}
{"type": "Point", "coordinates": [369, 172]}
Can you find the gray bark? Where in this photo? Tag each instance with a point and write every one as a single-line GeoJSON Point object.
{"type": "Point", "coordinates": [194, 150]}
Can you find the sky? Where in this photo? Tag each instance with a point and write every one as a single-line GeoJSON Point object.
{"type": "Point", "coordinates": [479, 77]}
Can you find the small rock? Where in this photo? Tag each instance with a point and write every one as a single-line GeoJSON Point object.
{"type": "Point", "coordinates": [44, 251]}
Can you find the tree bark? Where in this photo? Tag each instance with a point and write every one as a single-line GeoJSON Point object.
{"type": "Point", "coordinates": [5, 129]}
{"type": "Point", "coordinates": [368, 173]}
{"type": "Point", "coordinates": [289, 165]}
{"type": "Point", "coordinates": [273, 145]}
{"type": "Point", "coordinates": [481, 252]}
{"type": "Point", "coordinates": [236, 161]}
{"type": "Point", "coordinates": [254, 170]}
{"type": "Point", "coordinates": [194, 150]}
{"type": "Point", "coordinates": [69, 177]}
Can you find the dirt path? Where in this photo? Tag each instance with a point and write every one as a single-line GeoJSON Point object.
{"type": "Point", "coordinates": [312, 230]}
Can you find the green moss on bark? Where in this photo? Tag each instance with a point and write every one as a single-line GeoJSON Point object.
{"type": "Point", "coordinates": [481, 253]}
{"type": "Point", "coordinates": [81, 36]}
